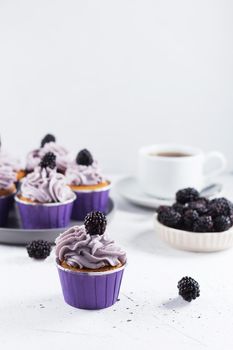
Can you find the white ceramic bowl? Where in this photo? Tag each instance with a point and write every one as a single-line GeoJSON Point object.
{"type": "Point", "coordinates": [194, 241]}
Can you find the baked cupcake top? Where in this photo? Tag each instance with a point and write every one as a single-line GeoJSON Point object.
{"type": "Point", "coordinates": [7, 177]}
{"type": "Point", "coordinates": [84, 170]}
{"type": "Point", "coordinates": [45, 184]}
{"type": "Point", "coordinates": [48, 144]}
{"type": "Point", "coordinates": [88, 246]}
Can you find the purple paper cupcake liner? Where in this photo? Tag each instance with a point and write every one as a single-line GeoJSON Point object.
{"type": "Point", "coordinates": [6, 203]}
{"type": "Point", "coordinates": [87, 201]}
{"type": "Point", "coordinates": [90, 291]}
{"type": "Point", "coordinates": [42, 216]}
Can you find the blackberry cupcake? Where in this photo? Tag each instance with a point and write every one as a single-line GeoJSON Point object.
{"type": "Point", "coordinates": [7, 192]}
{"type": "Point", "coordinates": [45, 201]}
{"type": "Point", "coordinates": [48, 144]}
{"type": "Point", "coordinates": [86, 180]}
{"type": "Point", "coordinates": [9, 161]}
{"type": "Point", "coordinates": [90, 265]}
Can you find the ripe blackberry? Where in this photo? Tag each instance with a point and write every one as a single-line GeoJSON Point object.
{"type": "Point", "coordinates": [189, 218]}
{"type": "Point", "coordinates": [220, 206]}
{"type": "Point", "coordinates": [188, 288]}
{"type": "Point", "coordinates": [203, 224]}
{"type": "Point", "coordinates": [84, 157]}
{"type": "Point", "coordinates": [48, 138]}
{"type": "Point", "coordinates": [49, 160]}
{"type": "Point", "coordinates": [222, 223]}
{"type": "Point", "coordinates": [186, 195]}
{"type": "Point", "coordinates": [162, 208]}
{"type": "Point", "coordinates": [170, 217]}
{"type": "Point", "coordinates": [200, 205]}
{"type": "Point", "coordinates": [179, 208]}
{"type": "Point", "coordinates": [95, 223]}
{"type": "Point", "coordinates": [39, 249]}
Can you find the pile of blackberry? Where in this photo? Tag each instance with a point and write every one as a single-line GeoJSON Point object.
{"type": "Point", "coordinates": [197, 214]}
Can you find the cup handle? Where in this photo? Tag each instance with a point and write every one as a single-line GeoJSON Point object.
{"type": "Point", "coordinates": [215, 155]}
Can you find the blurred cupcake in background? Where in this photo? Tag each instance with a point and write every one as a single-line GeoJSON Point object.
{"type": "Point", "coordinates": [45, 200]}
{"type": "Point", "coordinates": [48, 144]}
{"type": "Point", "coordinates": [7, 192]}
{"type": "Point", "coordinates": [90, 264]}
{"type": "Point", "coordinates": [12, 162]}
{"type": "Point", "coordinates": [85, 178]}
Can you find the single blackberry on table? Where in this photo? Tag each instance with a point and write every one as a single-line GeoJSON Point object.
{"type": "Point", "coordinates": [189, 218]}
{"type": "Point", "coordinates": [48, 138]}
{"type": "Point", "coordinates": [95, 223]}
{"type": "Point", "coordinates": [222, 223]}
{"type": "Point", "coordinates": [188, 288]}
{"type": "Point", "coordinates": [186, 195]}
{"type": "Point", "coordinates": [220, 206]}
{"type": "Point", "coordinates": [84, 157]}
{"type": "Point", "coordinates": [49, 160]}
{"type": "Point", "coordinates": [200, 205]}
{"type": "Point", "coordinates": [179, 208]}
{"type": "Point", "coordinates": [39, 249]}
{"type": "Point", "coordinates": [203, 224]}
{"type": "Point", "coordinates": [170, 217]}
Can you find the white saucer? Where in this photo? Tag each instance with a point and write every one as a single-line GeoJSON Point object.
{"type": "Point", "coordinates": [129, 188]}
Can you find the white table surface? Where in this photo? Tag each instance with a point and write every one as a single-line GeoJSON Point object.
{"type": "Point", "coordinates": [149, 314]}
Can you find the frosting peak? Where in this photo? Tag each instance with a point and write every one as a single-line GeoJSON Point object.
{"type": "Point", "coordinates": [77, 174]}
{"type": "Point", "coordinates": [8, 160]}
{"type": "Point", "coordinates": [46, 185]}
{"type": "Point", "coordinates": [7, 176]}
{"type": "Point", "coordinates": [79, 249]}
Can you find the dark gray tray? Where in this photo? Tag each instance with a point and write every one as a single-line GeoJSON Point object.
{"type": "Point", "coordinates": [14, 234]}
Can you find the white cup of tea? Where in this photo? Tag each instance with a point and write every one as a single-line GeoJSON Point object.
{"type": "Point", "coordinates": [164, 169]}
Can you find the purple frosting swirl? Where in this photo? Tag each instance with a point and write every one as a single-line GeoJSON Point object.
{"type": "Point", "coordinates": [46, 186]}
{"type": "Point", "coordinates": [33, 159]}
{"type": "Point", "coordinates": [79, 249]}
{"type": "Point", "coordinates": [84, 174]}
{"type": "Point", "coordinates": [8, 160]}
{"type": "Point", "coordinates": [63, 157]}
{"type": "Point", "coordinates": [7, 177]}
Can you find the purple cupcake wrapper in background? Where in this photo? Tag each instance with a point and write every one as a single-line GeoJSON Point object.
{"type": "Point", "coordinates": [6, 203]}
{"type": "Point", "coordinates": [90, 291]}
{"type": "Point", "coordinates": [88, 201]}
{"type": "Point", "coordinates": [42, 216]}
